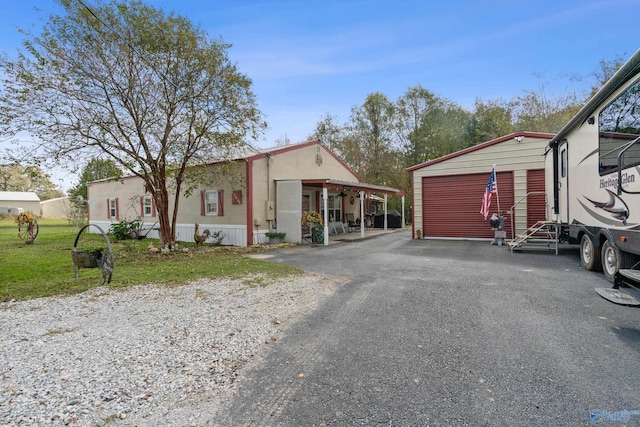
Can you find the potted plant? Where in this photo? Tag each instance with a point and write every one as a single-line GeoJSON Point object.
{"type": "Point", "coordinates": [275, 237]}
{"type": "Point", "coordinates": [314, 219]}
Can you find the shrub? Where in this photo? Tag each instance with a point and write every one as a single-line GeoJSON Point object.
{"type": "Point", "coordinates": [123, 229]}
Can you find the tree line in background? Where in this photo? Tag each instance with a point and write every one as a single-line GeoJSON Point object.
{"type": "Point", "coordinates": [382, 137]}
{"type": "Point", "coordinates": [15, 177]}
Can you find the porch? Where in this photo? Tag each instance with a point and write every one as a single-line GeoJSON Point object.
{"type": "Point", "coordinates": [335, 201]}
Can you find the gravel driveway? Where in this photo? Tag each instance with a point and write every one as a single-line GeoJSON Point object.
{"type": "Point", "coordinates": [143, 355]}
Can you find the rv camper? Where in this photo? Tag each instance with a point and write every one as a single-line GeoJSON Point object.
{"type": "Point", "coordinates": [593, 173]}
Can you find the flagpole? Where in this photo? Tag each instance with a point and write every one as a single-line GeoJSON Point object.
{"type": "Point", "coordinates": [496, 183]}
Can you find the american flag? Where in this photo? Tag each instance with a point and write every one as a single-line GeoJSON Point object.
{"type": "Point", "coordinates": [492, 188]}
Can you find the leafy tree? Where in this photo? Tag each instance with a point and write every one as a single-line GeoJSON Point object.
{"type": "Point", "coordinates": [411, 123]}
{"type": "Point", "coordinates": [490, 120]}
{"type": "Point", "coordinates": [372, 126]}
{"type": "Point", "coordinates": [329, 132]}
{"type": "Point", "coordinates": [539, 111]}
{"type": "Point", "coordinates": [14, 177]}
{"type": "Point", "coordinates": [94, 170]}
{"type": "Point", "coordinates": [428, 126]}
{"type": "Point", "coordinates": [123, 80]}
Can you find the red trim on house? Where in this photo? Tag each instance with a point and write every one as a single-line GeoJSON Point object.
{"type": "Point", "coordinates": [482, 146]}
{"type": "Point", "coordinates": [413, 208]}
{"type": "Point", "coordinates": [220, 202]}
{"type": "Point", "coordinates": [249, 174]}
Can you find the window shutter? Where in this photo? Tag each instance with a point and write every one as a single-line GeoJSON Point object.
{"type": "Point", "coordinates": [202, 201]}
{"type": "Point", "coordinates": [109, 208]}
{"type": "Point", "coordinates": [220, 198]}
{"type": "Point", "coordinates": [117, 210]}
{"type": "Point", "coordinates": [141, 206]}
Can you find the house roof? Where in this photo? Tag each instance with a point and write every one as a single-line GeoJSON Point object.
{"type": "Point", "coordinates": [253, 154]}
{"type": "Point", "coordinates": [19, 196]}
{"type": "Point", "coordinates": [627, 71]}
{"type": "Point", "coordinates": [481, 146]}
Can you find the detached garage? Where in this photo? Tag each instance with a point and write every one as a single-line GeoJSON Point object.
{"type": "Point", "coordinates": [448, 191]}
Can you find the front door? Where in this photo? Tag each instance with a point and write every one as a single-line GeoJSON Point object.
{"type": "Point", "coordinates": [563, 182]}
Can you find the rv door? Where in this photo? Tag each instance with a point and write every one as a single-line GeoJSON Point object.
{"type": "Point", "coordinates": [563, 183]}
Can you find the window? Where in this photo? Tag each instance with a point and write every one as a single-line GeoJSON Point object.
{"type": "Point", "coordinates": [563, 163]}
{"type": "Point", "coordinates": [112, 208]}
{"type": "Point", "coordinates": [211, 202]}
{"type": "Point", "coordinates": [619, 125]}
{"type": "Point", "coordinates": [334, 207]}
{"type": "Point", "coordinates": [148, 206]}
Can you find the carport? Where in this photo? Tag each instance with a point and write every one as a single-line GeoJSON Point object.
{"type": "Point", "coordinates": [350, 191]}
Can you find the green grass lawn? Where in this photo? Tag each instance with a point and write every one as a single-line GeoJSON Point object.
{"type": "Point", "coordinates": [45, 267]}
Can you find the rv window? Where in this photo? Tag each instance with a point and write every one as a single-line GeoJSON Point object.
{"type": "Point", "coordinates": [563, 163]}
{"type": "Point", "coordinates": [619, 124]}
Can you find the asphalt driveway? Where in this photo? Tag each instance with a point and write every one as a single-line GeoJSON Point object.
{"type": "Point", "coordinates": [439, 333]}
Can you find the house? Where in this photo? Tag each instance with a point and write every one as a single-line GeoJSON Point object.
{"type": "Point", "coordinates": [11, 202]}
{"type": "Point", "coordinates": [265, 190]}
{"type": "Point", "coordinates": [448, 191]}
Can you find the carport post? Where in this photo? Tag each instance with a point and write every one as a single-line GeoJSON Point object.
{"type": "Point", "coordinates": [402, 224]}
{"type": "Point", "coordinates": [325, 197]}
{"type": "Point", "coordinates": [385, 212]}
{"type": "Point", "coordinates": [362, 214]}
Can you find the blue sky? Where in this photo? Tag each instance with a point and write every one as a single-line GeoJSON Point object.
{"type": "Point", "coordinates": [308, 58]}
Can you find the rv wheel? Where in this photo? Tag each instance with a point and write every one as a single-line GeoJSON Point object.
{"type": "Point", "coordinates": [610, 260]}
{"type": "Point", "coordinates": [589, 256]}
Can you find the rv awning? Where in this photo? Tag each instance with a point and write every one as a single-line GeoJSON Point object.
{"type": "Point", "coordinates": [334, 184]}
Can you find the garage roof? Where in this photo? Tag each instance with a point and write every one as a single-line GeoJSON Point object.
{"type": "Point", "coordinates": [481, 146]}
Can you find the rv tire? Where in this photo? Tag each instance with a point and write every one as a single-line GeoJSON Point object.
{"type": "Point", "coordinates": [589, 255]}
{"type": "Point", "coordinates": [610, 260]}
{"type": "Point", "coordinates": [613, 259]}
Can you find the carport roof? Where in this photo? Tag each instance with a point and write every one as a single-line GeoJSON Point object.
{"type": "Point", "coordinates": [335, 184]}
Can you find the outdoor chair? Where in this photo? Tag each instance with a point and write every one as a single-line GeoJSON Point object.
{"type": "Point", "coordinates": [354, 224]}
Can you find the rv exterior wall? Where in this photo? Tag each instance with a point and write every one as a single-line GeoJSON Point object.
{"type": "Point", "coordinates": [586, 186]}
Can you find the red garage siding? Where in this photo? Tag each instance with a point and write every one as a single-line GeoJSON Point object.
{"type": "Point", "coordinates": [451, 204]}
{"type": "Point", "coordinates": [536, 202]}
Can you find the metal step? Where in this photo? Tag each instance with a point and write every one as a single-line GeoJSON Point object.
{"type": "Point", "coordinates": [618, 297]}
{"type": "Point", "coordinates": [540, 232]}
{"type": "Point", "coordinates": [627, 277]}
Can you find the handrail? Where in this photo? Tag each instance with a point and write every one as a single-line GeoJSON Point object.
{"type": "Point", "coordinates": [513, 231]}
